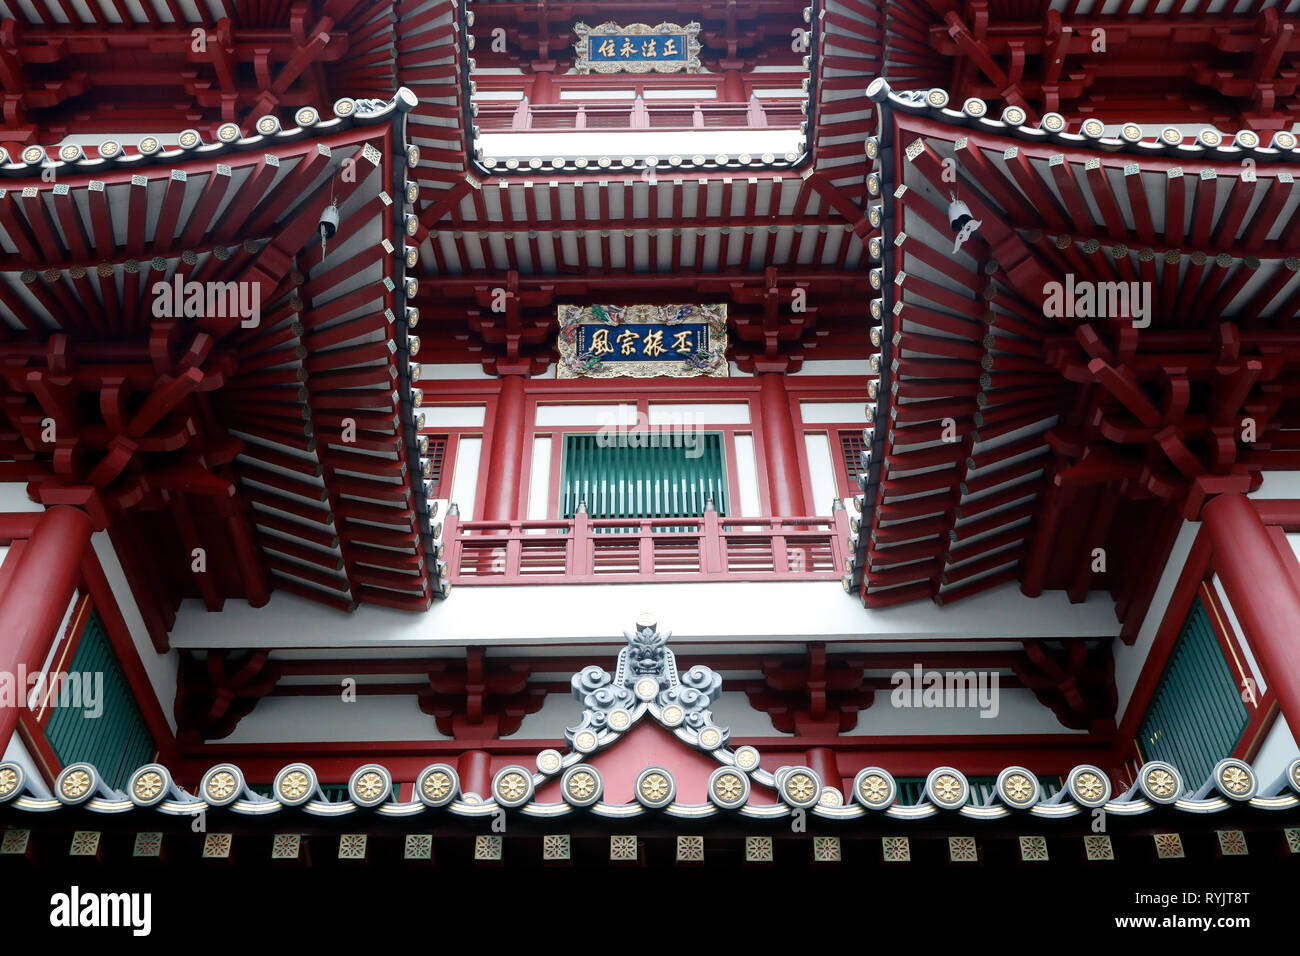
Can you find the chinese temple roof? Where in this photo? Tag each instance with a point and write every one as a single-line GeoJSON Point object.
{"type": "Point", "coordinates": [315, 422]}
{"type": "Point", "coordinates": [645, 702]}
{"type": "Point", "coordinates": [1050, 410]}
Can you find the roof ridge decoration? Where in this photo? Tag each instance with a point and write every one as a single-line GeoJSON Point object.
{"type": "Point", "coordinates": [267, 133]}
{"type": "Point", "coordinates": [646, 681]}
{"type": "Point", "coordinates": [1053, 127]}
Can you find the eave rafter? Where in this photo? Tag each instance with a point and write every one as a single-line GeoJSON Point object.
{"type": "Point", "coordinates": [299, 471]}
{"type": "Point", "coordinates": [198, 69]}
{"type": "Point", "coordinates": [1016, 406]}
{"type": "Point", "coordinates": [1231, 66]}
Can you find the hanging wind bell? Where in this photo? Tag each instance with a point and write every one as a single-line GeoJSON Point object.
{"type": "Point", "coordinates": [963, 223]}
{"type": "Point", "coordinates": [329, 225]}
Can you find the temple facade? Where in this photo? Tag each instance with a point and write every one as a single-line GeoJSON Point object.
{"type": "Point", "coordinates": [514, 433]}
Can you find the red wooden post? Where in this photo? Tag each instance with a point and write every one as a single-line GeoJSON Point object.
{"type": "Point", "coordinates": [640, 118]}
{"type": "Point", "coordinates": [646, 552]}
{"type": "Point", "coordinates": [451, 543]}
{"type": "Point", "coordinates": [475, 770]}
{"type": "Point", "coordinates": [713, 549]}
{"type": "Point", "coordinates": [514, 550]}
{"type": "Point", "coordinates": [506, 457]}
{"type": "Point", "coordinates": [33, 604]}
{"type": "Point", "coordinates": [822, 759]}
{"type": "Point", "coordinates": [779, 447]}
{"type": "Point", "coordinates": [1259, 580]}
{"type": "Point", "coordinates": [521, 118]}
{"type": "Point", "coordinates": [839, 536]}
{"type": "Point", "coordinates": [578, 564]}
{"type": "Point", "coordinates": [780, 548]}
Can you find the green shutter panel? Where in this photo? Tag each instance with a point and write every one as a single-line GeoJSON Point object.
{"type": "Point", "coordinates": [1196, 716]}
{"type": "Point", "coordinates": [116, 742]}
{"type": "Point", "coordinates": [659, 481]}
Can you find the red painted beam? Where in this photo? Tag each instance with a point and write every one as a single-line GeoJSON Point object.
{"type": "Point", "coordinates": [37, 596]}
{"type": "Point", "coordinates": [1260, 582]}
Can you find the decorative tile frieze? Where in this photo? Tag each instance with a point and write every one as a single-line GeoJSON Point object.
{"type": "Point", "coordinates": [555, 847]}
{"type": "Point", "coordinates": [690, 849]}
{"type": "Point", "coordinates": [15, 842]}
{"type": "Point", "coordinates": [147, 844]}
{"type": "Point", "coordinates": [286, 846]}
{"type": "Point", "coordinates": [623, 849]}
{"type": "Point", "coordinates": [487, 848]}
{"type": "Point", "coordinates": [419, 846]}
{"type": "Point", "coordinates": [1169, 846]}
{"type": "Point", "coordinates": [962, 849]}
{"type": "Point", "coordinates": [1097, 846]}
{"type": "Point", "coordinates": [352, 846]}
{"type": "Point", "coordinates": [826, 849]}
{"type": "Point", "coordinates": [1033, 849]}
{"type": "Point", "coordinates": [896, 849]}
{"type": "Point", "coordinates": [758, 849]}
{"type": "Point", "coordinates": [217, 846]}
{"type": "Point", "coordinates": [1232, 843]}
{"type": "Point", "coordinates": [84, 843]}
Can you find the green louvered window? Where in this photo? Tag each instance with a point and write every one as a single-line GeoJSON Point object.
{"type": "Point", "coordinates": [911, 790]}
{"type": "Point", "coordinates": [619, 479]}
{"type": "Point", "coordinates": [1197, 715]}
{"type": "Point", "coordinates": [117, 741]}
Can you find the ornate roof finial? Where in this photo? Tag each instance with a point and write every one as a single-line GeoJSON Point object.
{"type": "Point", "coordinates": [645, 677]}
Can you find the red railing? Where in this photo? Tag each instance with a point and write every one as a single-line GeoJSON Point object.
{"type": "Point", "coordinates": [584, 550]}
{"type": "Point", "coordinates": [641, 114]}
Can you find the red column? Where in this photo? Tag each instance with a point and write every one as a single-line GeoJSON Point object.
{"type": "Point", "coordinates": [784, 481]}
{"type": "Point", "coordinates": [475, 770]}
{"type": "Point", "coordinates": [733, 87]}
{"type": "Point", "coordinates": [1258, 580]}
{"type": "Point", "coordinates": [506, 454]}
{"type": "Point", "coordinates": [541, 92]}
{"type": "Point", "coordinates": [37, 597]}
{"type": "Point", "coordinates": [822, 761]}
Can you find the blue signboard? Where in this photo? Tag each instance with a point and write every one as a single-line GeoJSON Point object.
{"type": "Point", "coordinates": [637, 48]}
{"type": "Point", "coordinates": [642, 341]}
{"type": "Point", "coordinates": [630, 47]}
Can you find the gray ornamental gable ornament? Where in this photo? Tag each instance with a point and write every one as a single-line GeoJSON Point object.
{"type": "Point", "coordinates": [646, 679]}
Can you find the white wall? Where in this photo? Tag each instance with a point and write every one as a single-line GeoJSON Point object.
{"type": "Point", "coordinates": [750, 505]}
{"type": "Point", "coordinates": [16, 752]}
{"type": "Point", "coordinates": [782, 613]}
{"type": "Point", "coordinates": [160, 668]}
{"type": "Point", "coordinates": [1278, 749]}
{"type": "Point", "coordinates": [323, 719]}
{"type": "Point", "coordinates": [464, 478]}
{"type": "Point", "coordinates": [821, 473]}
{"type": "Point", "coordinates": [1130, 658]}
{"type": "Point", "coordinates": [454, 416]}
{"type": "Point", "coordinates": [1018, 712]}
{"type": "Point", "coordinates": [539, 479]}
